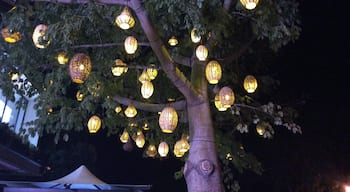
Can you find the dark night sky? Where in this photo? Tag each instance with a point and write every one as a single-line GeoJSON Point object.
{"type": "Point", "coordinates": [314, 71]}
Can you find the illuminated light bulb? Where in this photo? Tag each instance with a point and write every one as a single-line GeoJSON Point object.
{"type": "Point", "coordinates": [125, 19]}
{"type": "Point", "coordinates": [201, 52]}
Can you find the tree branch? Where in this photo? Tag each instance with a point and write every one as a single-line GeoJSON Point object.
{"type": "Point", "coordinates": [105, 45]}
{"type": "Point", "coordinates": [180, 59]}
{"type": "Point", "coordinates": [151, 107]}
{"type": "Point", "coordinates": [109, 2]}
{"type": "Point", "coordinates": [227, 60]}
{"type": "Point", "coordinates": [227, 5]}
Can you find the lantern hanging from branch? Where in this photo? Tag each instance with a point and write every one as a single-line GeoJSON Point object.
{"type": "Point", "coordinates": [79, 96]}
{"type": "Point", "coordinates": [173, 41]}
{"type": "Point", "coordinates": [194, 37]}
{"type": "Point", "coordinates": [213, 72]}
{"type": "Point", "coordinates": [163, 149]}
{"type": "Point", "coordinates": [147, 89]}
{"type": "Point", "coordinates": [249, 4]}
{"type": "Point", "coordinates": [62, 58]}
{"type": "Point", "coordinates": [168, 119]}
{"type": "Point", "coordinates": [177, 151]}
{"type": "Point", "coordinates": [152, 72]}
{"type": "Point", "coordinates": [226, 97]}
{"type": "Point", "coordinates": [202, 53]}
{"type": "Point", "coordinates": [94, 124]}
{"type": "Point", "coordinates": [10, 36]}
{"type": "Point", "coordinates": [130, 45]}
{"type": "Point", "coordinates": [125, 19]}
{"type": "Point", "coordinates": [250, 83]}
{"type": "Point", "coordinates": [140, 139]}
{"type": "Point", "coordinates": [39, 36]}
{"type": "Point", "coordinates": [79, 67]}
{"type": "Point", "coordinates": [130, 111]}
{"type": "Point", "coordinates": [145, 126]}
{"type": "Point", "coordinates": [151, 151]}
{"type": "Point", "coordinates": [124, 137]}
{"type": "Point", "coordinates": [118, 109]}
{"type": "Point", "coordinates": [144, 77]}
{"type": "Point", "coordinates": [218, 104]}
{"type": "Point", "coordinates": [119, 68]}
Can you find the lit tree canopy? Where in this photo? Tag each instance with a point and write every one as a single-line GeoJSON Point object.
{"type": "Point", "coordinates": [236, 37]}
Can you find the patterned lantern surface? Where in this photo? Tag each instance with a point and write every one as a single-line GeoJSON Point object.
{"type": "Point", "coordinates": [62, 58]}
{"type": "Point", "coordinates": [120, 68]}
{"type": "Point", "coordinates": [124, 137]}
{"type": "Point", "coordinates": [195, 38]}
{"type": "Point", "coordinates": [168, 119]}
{"type": "Point", "coordinates": [144, 77]}
{"type": "Point", "coordinates": [140, 140]}
{"type": "Point", "coordinates": [226, 97]}
{"type": "Point", "coordinates": [130, 111]}
{"type": "Point", "coordinates": [94, 124]}
{"type": "Point", "coordinates": [163, 149]}
{"type": "Point", "coordinates": [39, 37]}
{"type": "Point", "coordinates": [249, 4]}
{"type": "Point", "coordinates": [202, 53]}
{"type": "Point", "coordinates": [177, 151]}
{"type": "Point", "coordinates": [151, 151]}
{"type": "Point", "coordinates": [147, 89]}
{"type": "Point", "coordinates": [79, 67]}
{"type": "Point", "coordinates": [125, 19]}
{"type": "Point", "coordinates": [213, 72]}
{"type": "Point", "coordinates": [9, 36]}
{"type": "Point", "coordinates": [173, 41]}
{"type": "Point", "coordinates": [152, 72]}
{"type": "Point", "coordinates": [250, 83]}
{"type": "Point", "coordinates": [130, 45]}
{"type": "Point", "coordinates": [218, 104]}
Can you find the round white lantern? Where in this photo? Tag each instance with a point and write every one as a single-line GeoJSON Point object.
{"type": "Point", "coordinates": [202, 53]}
{"type": "Point", "coordinates": [147, 89]}
{"type": "Point", "coordinates": [163, 149]}
{"type": "Point", "coordinates": [168, 119]}
{"type": "Point", "coordinates": [130, 45]}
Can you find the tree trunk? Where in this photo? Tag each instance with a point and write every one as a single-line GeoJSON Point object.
{"type": "Point", "coordinates": [202, 172]}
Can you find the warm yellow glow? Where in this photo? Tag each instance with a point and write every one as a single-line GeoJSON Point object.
{"type": "Point", "coordinates": [249, 4]}
{"type": "Point", "coordinates": [125, 19]}
{"type": "Point", "coordinates": [218, 104]}
{"type": "Point", "coordinates": [151, 151]}
{"type": "Point", "coordinates": [163, 149]}
{"type": "Point", "coordinates": [226, 97]}
{"type": "Point", "coordinates": [140, 140]}
{"type": "Point", "coordinates": [79, 96]}
{"type": "Point", "coordinates": [124, 137]}
{"type": "Point", "coordinates": [182, 145]}
{"type": "Point", "coordinates": [202, 53]}
{"type": "Point", "coordinates": [195, 38]}
{"type": "Point", "coordinates": [39, 36]}
{"type": "Point", "coordinates": [120, 68]}
{"type": "Point", "coordinates": [168, 119]}
{"type": "Point", "coordinates": [130, 111]}
{"type": "Point", "coordinates": [261, 128]}
{"type": "Point", "coordinates": [130, 45]}
{"type": "Point", "coordinates": [94, 124]}
{"type": "Point", "coordinates": [14, 76]}
{"type": "Point", "coordinates": [347, 188]}
{"type": "Point", "coordinates": [147, 89]}
{"type": "Point", "coordinates": [229, 157]}
{"type": "Point", "coordinates": [152, 72]}
{"type": "Point", "coordinates": [9, 36]}
{"type": "Point", "coordinates": [118, 109]}
{"type": "Point", "coordinates": [173, 41]}
{"type": "Point", "coordinates": [144, 77]}
{"type": "Point", "coordinates": [61, 58]}
{"type": "Point", "coordinates": [213, 72]}
{"type": "Point", "coordinates": [250, 83]}
{"type": "Point", "coordinates": [177, 152]}
{"type": "Point", "coordinates": [79, 67]}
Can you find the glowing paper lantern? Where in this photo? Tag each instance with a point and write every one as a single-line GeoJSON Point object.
{"type": "Point", "coordinates": [61, 58]}
{"type": "Point", "coordinates": [124, 137]}
{"type": "Point", "coordinates": [226, 97]}
{"type": "Point", "coordinates": [125, 19]}
{"type": "Point", "coordinates": [147, 89]}
{"type": "Point", "coordinates": [195, 38]}
{"type": "Point", "coordinates": [250, 83]}
{"type": "Point", "coordinates": [130, 111]}
{"type": "Point", "coordinates": [130, 45]}
{"type": "Point", "coordinates": [144, 77]}
{"type": "Point", "coordinates": [249, 4]}
{"type": "Point", "coordinates": [202, 53]}
{"type": "Point", "coordinates": [152, 72]}
{"type": "Point", "coordinates": [140, 139]}
{"type": "Point", "coordinates": [119, 68]}
{"type": "Point", "coordinates": [94, 124]}
{"type": "Point", "coordinates": [163, 149]}
{"type": "Point", "coordinates": [218, 104]}
{"type": "Point", "coordinates": [151, 151]}
{"type": "Point", "coordinates": [39, 37]}
{"type": "Point", "coordinates": [79, 96]}
{"type": "Point", "coordinates": [118, 109]}
{"type": "Point", "coordinates": [173, 41]}
{"type": "Point", "coordinates": [213, 72]}
{"type": "Point", "coordinates": [79, 67]}
{"type": "Point", "coordinates": [10, 36]}
{"type": "Point", "coordinates": [168, 119]}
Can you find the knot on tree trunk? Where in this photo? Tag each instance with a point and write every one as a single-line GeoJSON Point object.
{"type": "Point", "coordinates": [204, 167]}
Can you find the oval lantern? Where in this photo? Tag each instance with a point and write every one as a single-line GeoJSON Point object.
{"type": "Point", "coordinates": [119, 68]}
{"type": "Point", "coordinates": [94, 124]}
{"type": "Point", "coordinates": [213, 72]}
{"type": "Point", "coordinates": [202, 53]}
{"type": "Point", "coordinates": [195, 38]}
{"type": "Point", "coordinates": [151, 151]}
{"type": "Point", "coordinates": [163, 149]}
{"type": "Point", "coordinates": [130, 111]}
{"type": "Point", "coordinates": [249, 4]}
{"type": "Point", "coordinates": [79, 67]}
{"type": "Point", "coordinates": [218, 104]}
{"type": "Point", "coordinates": [62, 58]}
{"type": "Point", "coordinates": [173, 41]}
{"type": "Point", "coordinates": [152, 71]}
{"type": "Point", "coordinates": [140, 140]}
{"type": "Point", "coordinates": [124, 137]}
{"type": "Point", "coordinates": [125, 19]}
{"type": "Point", "coordinates": [10, 36]}
{"type": "Point", "coordinates": [226, 97]}
{"type": "Point", "coordinates": [39, 36]}
{"type": "Point", "coordinates": [177, 151]}
{"type": "Point", "coordinates": [147, 89]}
{"type": "Point", "coordinates": [250, 83]}
{"type": "Point", "coordinates": [130, 45]}
{"type": "Point", "coordinates": [168, 119]}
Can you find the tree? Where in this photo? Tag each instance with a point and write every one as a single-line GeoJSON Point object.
{"type": "Point", "coordinates": [236, 37]}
